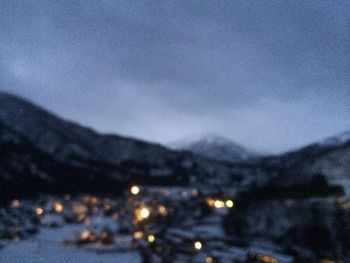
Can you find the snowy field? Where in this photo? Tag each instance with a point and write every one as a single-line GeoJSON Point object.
{"type": "Point", "coordinates": [47, 247]}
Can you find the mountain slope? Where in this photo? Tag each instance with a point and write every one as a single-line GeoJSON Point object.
{"type": "Point", "coordinates": [26, 171]}
{"type": "Point", "coordinates": [329, 158]}
{"type": "Point", "coordinates": [46, 153]}
{"type": "Point", "coordinates": [215, 147]}
{"type": "Point", "coordinates": [75, 145]}
{"type": "Point", "coordinates": [43, 152]}
{"type": "Point", "coordinates": [66, 140]}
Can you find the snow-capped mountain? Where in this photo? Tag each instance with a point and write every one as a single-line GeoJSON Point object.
{"type": "Point", "coordinates": [36, 132]}
{"type": "Point", "coordinates": [215, 147]}
{"type": "Point", "coordinates": [43, 152]}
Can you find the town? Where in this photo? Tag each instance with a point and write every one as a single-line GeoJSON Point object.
{"type": "Point", "coordinates": [169, 224]}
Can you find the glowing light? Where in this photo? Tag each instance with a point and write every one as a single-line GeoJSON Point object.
{"type": "Point", "coordinates": [209, 260]}
{"type": "Point", "coordinates": [15, 203]}
{"type": "Point", "coordinates": [215, 203]}
{"type": "Point", "coordinates": [210, 201]}
{"type": "Point", "coordinates": [58, 207]}
{"type": "Point", "coordinates": [198, 245]}
{"type": "Point", "coordinates": [162, 210]}
{"type": "Point", "coordinates": [144, 213]}
{"type": "Point", "coordinates": [135, 190]}
{"type": "Point", "coordinates": [39, 211]}
{"type": "Point", "coordinates": [151, 238]}
{"type": "Point", "coordinates": [94, 200]}
{"type": "Point", "coordinates": [85, 234]}
{"type": "Point", "coordinates": [219, 204]}
{"type": "Point", "coordinates": [138, 235]}
{"type": "Point", "coordinates": [79, 208]}
{"type": "Point", "coordinates": [88, 236]}
{"type": "Point", "coordinates": [267, 259]}
{"type": "Point", "coordinates": [229, 203]}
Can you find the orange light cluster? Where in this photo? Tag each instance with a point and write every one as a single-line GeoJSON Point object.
{"type": "Point", "coordinates": [267, 259]}
{"type": "Point", "coordinates": [142, 213]}
{"type": "Point", "coordinates": [217, 203]}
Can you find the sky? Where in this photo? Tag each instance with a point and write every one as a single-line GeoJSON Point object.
{"type": "Point", "coordinates": [270, 75]}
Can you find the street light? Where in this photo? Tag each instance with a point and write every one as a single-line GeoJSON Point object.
{"type": "Point", "coordinates": [135, 190]}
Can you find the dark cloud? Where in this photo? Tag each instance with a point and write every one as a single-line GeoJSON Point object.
{"type": "Point", "coordinates": [269, 74]}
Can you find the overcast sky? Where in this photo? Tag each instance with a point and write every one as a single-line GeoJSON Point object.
{"type": "Point", "coordinates": [271, 75]}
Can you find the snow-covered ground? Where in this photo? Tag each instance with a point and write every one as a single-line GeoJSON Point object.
{"type": "Point", "coordinates": [47, 247]}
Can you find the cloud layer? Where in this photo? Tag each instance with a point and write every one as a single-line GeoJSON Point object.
{"type": "Point", "coordinates": [271, 75]}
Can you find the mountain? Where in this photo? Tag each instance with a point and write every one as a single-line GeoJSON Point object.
{"type": "Point", "coordinates": [300, 207]}
{"type": "Point", "coordinates": [42, 152]}
{"type": "Point", "coordinates": [41, 147]}
{"type": "Point", "coordinates": [215, 147]}
{"type": "Point", "coordinates": [290, 202]}
{"type": "Point", "coordinates": [27, 171]}
{"type": "Point", "coordinates": [329, 158]}
{"type": "Point", "coordinates": [70, 142]}
{"type": "Point", "coordinates": [307, 229]}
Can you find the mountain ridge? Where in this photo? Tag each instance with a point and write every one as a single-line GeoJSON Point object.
{"type": "Point", "coordinates": [214, 146]}
{"type": "Point", "coordinates": [67, 146]}
{"type": "Point", "coordinates": [31, 134]}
